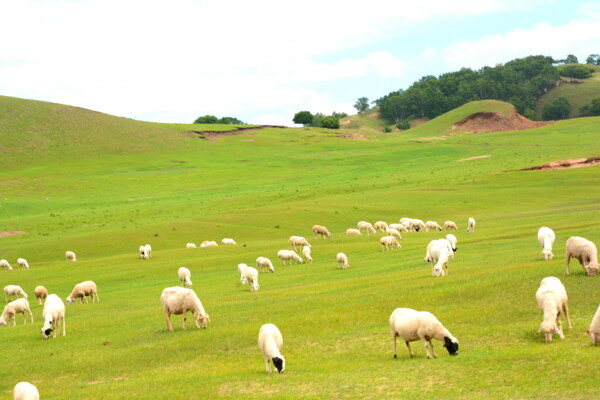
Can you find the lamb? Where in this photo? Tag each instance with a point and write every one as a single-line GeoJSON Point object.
{"type": "Point", "coordinates": [22, 263]}
{"type": "Point", "coordinates": [270, 342]}
{"type": "Point", "coordinates": [288, 255]}
{"type": "Point", "coordinates": [41, 293]}
{"type": "Point", "coordinates": [25, 391]}
{"type": "Point", "coordinates": [209, 243]}
{"type": "Point", "coordinates": [585, 251]}
{"type": "Point", "coordinates": [297, 241]}
{"type": "Point", "coordinates": [177, 300]}
{"type": "Point", "coordinates": [364, 225]}
{"type": "Point", "coordinates": [70, 256]}
{"type": "Point", "coordinates": [417, 225]}
{"type": "Point", "coordinates": [352, 231]}
{"type": "Point", "coordinates": [433, 225]}
{"type": "Point", "coordinates": [453, 242]}
{"type": "Point", "coordinates": [148, 250]}
{"type": "Point", "coordinates": [448, 225]}
{"type": "Point", "coordinates": [594, 331]}
{"type": "Point", "coordinates": [552, 300]}
{"type": "Point", "coordinates": [13, 308]}
{"type": "Point", "coordinates": [388, 241]}
{"type": "Point", "coordinates": [546, 240]}
{"type": "Point", "coordinates": [54, 315]}
{"type": "Point", "coordinates": [83, 289]}
{"type": "Point", "coordinates": [190, 245]}
{"type": "Point", "coordinates": [381, 225]}
{"type": "Point", "coordinates": [398, 227]}
{"type": "Point", "coordinates": [14, 290]}
{"type": "Point", "coordinates": [471, 225]}
{"type": "Point", "coordinates": [5, 265]}
{"type": "Point", "coordinates": [250, 275]}
{"type": "Point", "coordinates": [438, 253]}
{"type": "Point", "coordinates": [320, 230]}
{"type": "Point", "coordinates": [393, 232]}
{"type": "Point", "coordinates": [306, 254]}
{"type": "Point", "coordinates": [411, 325]}
{"type": "Point", "coordinates": [265, 263]}
{"type": "Point", "coordinates": [144, 253]}
{"type": "Point", "coordinates": [185, 277]}
{"type": "Point", "coordinates": [342, 260]}
{"type": "Point", "coordinates": [228, 241]}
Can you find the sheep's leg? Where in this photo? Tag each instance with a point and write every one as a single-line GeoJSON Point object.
{"type": "Point", "coordinates": [432, 349]}
{"type": "Point", "coordinates": [268, 364]}
{"type": "Point", "coordinates": [64, 326]}
{"type": "Point", "coordinates": [14, 318]}
{"type": "Point", "coordinates": [24, 318]}
{"type": "Point", "coordinates": [409, 349]}
{"type": "Point", "coordinates": [566, 311]}
{"type": "Point", "coordinates": [168, 318]}
{"type": "Point", "coordinates": [30, 314]}
{"type": "Point", "coordinates": [184, 320]}
{"type": "Point", "coordinates": [568, 262]}
{"type": "Point", "coordinates": [426, 347]}
{"type": "Point", "coordinates": [394, 339]}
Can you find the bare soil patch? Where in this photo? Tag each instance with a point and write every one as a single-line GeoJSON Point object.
{"type": "Point", "coordinates": [10, 233]}
{"type": "Point", "coordinates": [214, 135]}
{"type": "Point", "coordinates": [474, 158]}
{"type": "Point", "coordinates": [486, 122]}
{"type": "Point", "coordinates": [562, 164]}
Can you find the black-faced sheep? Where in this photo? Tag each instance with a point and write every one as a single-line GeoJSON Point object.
{"type": "Point", "coordinates": [270, 342]}
{"type": "Point", "coordinates": [54, 316]}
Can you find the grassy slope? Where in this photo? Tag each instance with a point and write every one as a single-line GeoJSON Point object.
{"type": "Point", "coordinates": [264, 186]}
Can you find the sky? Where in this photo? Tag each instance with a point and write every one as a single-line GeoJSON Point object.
{"type": "Point", "coordinates": [263, 61]}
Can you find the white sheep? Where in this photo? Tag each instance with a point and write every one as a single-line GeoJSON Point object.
{"type": "Point", "coordinates": [297, 241]}
{"type": "Point", "coordinates": [148, 250]}
{"type": "Point", "coordinates": [177, 300]}
{"type": "Point", "coordinates": [546, 240]}
{"type": "Point", "coordinates": [5, 265]}
{"type": "Point", "coordinates": [54, 315]}
{"type": "Point", "coordinates": [270, 342]}
{"type": "Point", "coordinates": [364, 225]}
{"type": "Point", "coordinates": [41, 293]}
{"type": "Point", "coordinates": [388, 241]}
{"type": "Point", "coordinates": [585, 251]}
{"type": "Point", "coordinates": [70, 256]}
{"type": "Point", "coordinates": [381, 225]}
{"type": "Point", "coordinates": [25, 391]}
{"type": "Point", "coordinates": [265, 263]}
{"type": "Point", "coordinates": [306, 254]}
{"type": "Point", "coordinates": [83, 289]}
{"type": "Point", "coordinates": [418, 225]}
{"type": "Point", "coordinates": [352, 231]}
{"type": "Point", "coordinates": [398, 227]}
{"type": "Point", "coordinates": [22, 263]}
{"type": "Point", "coordinates": [228, 241]}
{"type": "Point", "coordinates": [185, 277]}
{"type": "Point", "coordinates": [190, 245]}
{"type": "Point", "coordinates": [594, 331]}
{"type": "Point", "coordinates": [438, 243]}
{"type": "Point", "coordinates": [144, 253]}
{"type": "Point", "coordinates": [250, 275]}
{"type": "Point", "coordinates": [411, 325]}
{"type": "Point", "coordinates": [13, 308]}
{"type": "Point", "coordinates": [438, 253]}
{"type": "Point", "coordinates": [320, 230]}
{"type": "Point", "coordinates": [471, 225]}
{"type": "Point", "coordinates": [14, 290]}
{"type": "Point", "coordinates": [342, 260]}
{"type": "Point", "coordinates": [448, 225]}
{"type": "Point", "coordinates": [433, 225]}
{"type": "Point", "coordinates": [242, 271]}
{"type": "Point", "coordinates": [209, 243]}
{"type": "Point", "coordinates": [552, 300]}
{"type": "Point", "coordinates": [393, 232]}
{"type": "Point", "coordinates": [289, 255]}
{"type": "Point", "coordinates": [453, 242]}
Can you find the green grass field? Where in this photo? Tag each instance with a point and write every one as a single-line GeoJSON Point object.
{"type": "Point", "coordinates": [102, 186]}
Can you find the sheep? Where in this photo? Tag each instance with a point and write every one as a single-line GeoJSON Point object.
{"type": "Point", "coordinates": [342, 260]}
{"type": "Point", "coordinates": [471, 225]}
{"type": "Point", "coordinates": [393, 232]}
{"type": "Point", "coordinates": [41, 293]}
{"type": "Point", "coordinates": [433, 225]}
{"type": "Point", "coordinates": [265, 263]}
{"type": "Point", "coordinates": [228, 241]}
{"type": "Point", "coordinates": [177, 300]}
{"type": "Point", "coordinates": [438, 253]}
{"type": "Point", "coordinates": [584, 251]}
{"type": "Point", "coordinates": [25, 391]}
{"type": "Point", "coordinates": [352, 231]}
{"type": "Point", "coordinates": [412, 325]}
{"type": "Point", "coordinates": [448, 225]}
{"type": "Point", "coordinates": [288, 255]}
{"type": "Point", "coordinates": [398, 227]}
{"type": "Point", "coordinates": [270, 342]}
{"type": "Point", "coordinates": [148, 250]}
{"type": "Point", "coordinates": [320, 230]}
{"type": "Point", "coordinates": [209, 243]}
{"type": "Point", "coordinates": [546, 240]}
{"type": "Point", "coordinates": [5, 265]}
{"type": "Point", "coordinates": [22, 263]}
{"type": "Point", "coordinates": [306, 254]}
{"type": "Point", "coordinates": [417, 225]}
{"type": "Point", "coordinates": [438, 243]}
{"type": "Point", "coordinates": [453, 242]}
{"type": "Point", "coordinates": [14, 290]}
{"type": "Point", "coordinates": [388, 241]}
{"type": "Point", "coordinates": [250, 275]}
{"type": "Point", "coordinates": [54, 315]}
{"type": "Point", "coordinates": [190, 245]}
{"type": "Point", "coordinates": [594, 331]}
{"type": "Point", "coordinates": [381, 225]}
{"type": "Point", "coordinates": [552, 300]}
{"type": "Point", "coordinates": [13, 308]}
{"type": "Point", "coordinates": [297, 241]}
{"type": "Point", "coordinates": [70, 256]}
{"type": "Point", "coordinates": [144, 253]}
{"type": "Point", "coordinates": [405, 222]}
{"type": "Point", "coordinates": [185, 277]}
{"type": "Point", "coordinates": [83, 289]}
{"type": "Point", "coordinates": [242, 271]}
{"type": "Point", "coordinates": [364, 225]}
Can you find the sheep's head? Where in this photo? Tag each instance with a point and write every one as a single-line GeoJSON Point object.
{"type": "Point", "coordinates": [549, 328]}
{"type": "Point", "coordinates": [70, 300]}
{"type": "Point", "coordinates": [3, 322]}
{"type": "Point", "coordinates": [243, 280]}
{"type": "Point", "coordinates": [451, 345]}
{"type": "Point", "coordinates": [437, 270]}
{"type": "Point", "coordinates": [25, 295]}
{"type": "Point", "coordinates": [279, 363]}
{"type": "Point", "coordinates": [547, 255]}
{"type": "Point", "coordinates": [202, 319]}
{"type": "Point", "coordinates": [46, 330]}
{"type": "Point", "coordinates": [593, 335]}
{"type": "Point", "coordinates": [592, 269]}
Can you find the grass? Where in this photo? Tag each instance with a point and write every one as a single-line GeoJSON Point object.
{"type": "Point", "coordinates": [259, 188]}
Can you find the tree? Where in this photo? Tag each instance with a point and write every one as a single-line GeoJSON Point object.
{"type": "Point", "coordinates": [557, 109]}
{"type": "Point", "coordinates": [303, 117]}
{"type": "Point", "coordinates": [207, 119]}
{"type": "Point", "coordinates": [593, 59]}
{"type": "Point", "coordinates": [591, 110]}
{"type": "Point", "coordinates": [330, 122]}
{"type": "Point", "coordinates": [571, 59]}
{"type": "Point", "coordinates": [231, 121]}
{"type": "Point", "coordinates": [362, 104]}
{"type": "Point", "coordinates": [339, 115]}
{"type": "Point", "coordinates": [576, 71]}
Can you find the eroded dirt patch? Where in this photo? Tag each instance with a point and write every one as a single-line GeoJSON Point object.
{"type": "Point", "coordinates": [486, 122]}
{"type": "Point", "coordinates": [10, 233]}
{"type": "Point", "coordinates": [214, 135]}
{"type": "Point", "coordinates": [474, 158]}
{"type": "Point", "coordinates": [562, 164]}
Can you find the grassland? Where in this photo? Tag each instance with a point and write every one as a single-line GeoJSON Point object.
{"type": "Point", "coordinates": [104, 197]}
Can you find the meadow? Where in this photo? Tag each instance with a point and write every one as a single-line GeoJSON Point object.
{"type": "Point", "coordinates": [102, 186]}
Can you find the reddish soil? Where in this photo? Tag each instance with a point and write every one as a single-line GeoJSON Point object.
{"type": "Point", "coordinates": [10, 233]}
{"type": "Point", "coordinates": [213, 135]}
{"type": "Point", "coordinates": [485, 122]}
{"type": "Point", "coordinates": [563, 164]}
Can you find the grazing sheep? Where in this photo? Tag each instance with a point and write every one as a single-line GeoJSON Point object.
{"type": "Point", "coordinates": [40, 293]}
{"type": "Point", "coordinates": [14, 290]}
{"type": "Point", "coordinates": [270, 342]}
{"type": "Point", "coordinates": [148, 250]}
{"type": "Point", "coordinates": [22, 263]}
{"type": "Point", "coordinates": [320, 230]}
{"type": "Point", "coordinates": [185, 277]}
{"type": "Point", "coordinates": [83, 289]}
{"type": "Point", "coordinates": [381, 225]}
{"type": "Point", "coordinates": [552, 300]}
{"type": "Point", "coordinates": [438, 243]}
{"type": "Point", "coordinates": [190, 245]}
{"type": "Point", "coordinates": [250, 275]}
{"type": "Point", "coordinates": [228, 241]}
{"type": "Point", "coordinates": [209, 243]}
{"type": "Point", "coordinates": [448, 225]}
{"type": "Point", "coordinates": [393, 232]}
{"type": "Point", "coordinates": [306, 254]}
{"type": "Point", "coordinates": [453, 242]}
{"type": "Point", "coordinates": [289, 255]}
{"type": "Point", "coordinates": [54, 315]}
{"type": "Point", "coordinates": [25, 391]}
{"type": "Point", "coordinates": [438, 253]}
{"type": "Point", "coordinates": [398, 227]}
{"type": "Point", "coordinates": [433, 225]}
{"type": "Point", "coordinates": [411, 325]}
{"type": "Point", "coordinates": [418, 225]}
{"type": "Point", "coordinates": [364, 225]}
{"type": "Point", "coordinates": [546, 240]}
{"type": "Point", "coordinates": [242, 271]}
{"type": "Point", "coordinates": [388, 241]}
{"type": "Point", "coordinates": [264, 262]}
{"type": "Point", "coordinates": [5, 265]}
{"type": "Point", "coordinates": [352, 231]}
{"type": "Point", "coordinates": [594, 331]}
{"type": "Point", "coordinates": [70, 256]}
{"type": "Point", "coordinates": [177, 300]}
{"type": "Point", "coordinates": [471, 225]}
{"type": "Point", "coordinates": [342, 260]}
{"type": "Point", "coordinates": [297, 241]}
{"type": "Point", "coordinates": [13, 308]}
{"type": "Point", "coordinates": [144, 253]}
{"type": "Point", "coordinates": [584, 251]}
